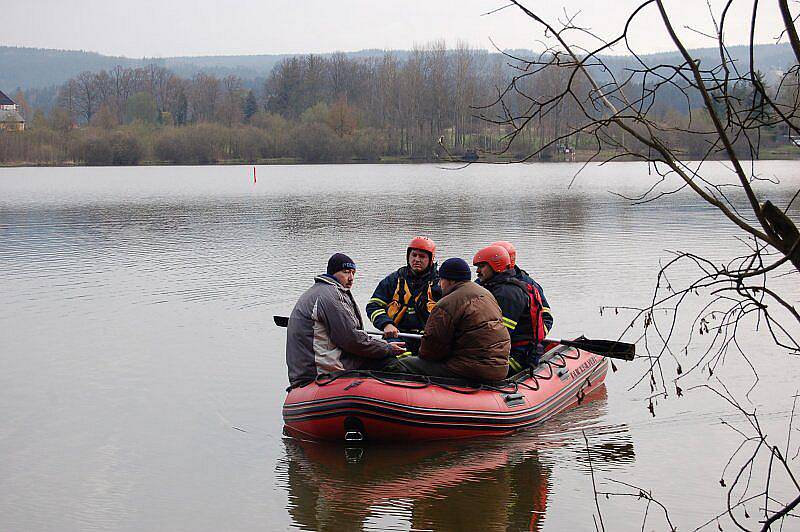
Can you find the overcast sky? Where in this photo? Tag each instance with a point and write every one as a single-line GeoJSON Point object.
{"type": "Point", "coordinates": [161, 28]}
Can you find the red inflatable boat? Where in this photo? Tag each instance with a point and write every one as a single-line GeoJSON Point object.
{"type": "Point", "coordinates": [358, 405]}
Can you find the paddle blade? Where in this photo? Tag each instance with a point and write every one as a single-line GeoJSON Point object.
{"type": "Point", "coordinates": [606, 348]}
{"type": "Point", "coordinates": [281, 321]}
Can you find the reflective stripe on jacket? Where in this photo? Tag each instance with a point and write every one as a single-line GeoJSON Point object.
{"type": "Point", "coordinates": [521, 306]}
{"type": "Point", "coordinates": [404, 299]}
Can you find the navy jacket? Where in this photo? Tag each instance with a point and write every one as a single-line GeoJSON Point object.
{"type": "Point", "coordinates": [404, 299]}
{"type": "Point", "coordinates": [515, 304]}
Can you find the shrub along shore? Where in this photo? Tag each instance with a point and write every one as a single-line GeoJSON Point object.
{"type": "Point", "coordinates": [269, 139]}
{"type": "Point", "coordinates": [435, 104]}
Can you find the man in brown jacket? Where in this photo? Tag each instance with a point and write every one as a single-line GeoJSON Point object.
{"type": "Point", "coordinates": [464, 335]}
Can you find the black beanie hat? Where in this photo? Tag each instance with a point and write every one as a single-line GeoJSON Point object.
{"type": "Point", "coordinates": [339, 262]}
{"type": "Point", "coordinates": [455, 269]}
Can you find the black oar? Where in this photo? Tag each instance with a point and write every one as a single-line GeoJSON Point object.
{"type": "Point", "coordinates": [606, 348]}
{"type": "Point", "coordinates": [283, 321]}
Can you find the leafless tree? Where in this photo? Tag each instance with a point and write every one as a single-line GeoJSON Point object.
{"type": "Point", "coordinates": [158, 83]}
{"type": "Point", "coordinates": [67, 105]}
{"type": "Point", "coordinates": [730, 111]}
{"type": "Point", "coordinates": [229, 110]}
{"type": "Point", "coordinates": [87, 99]}
{"type": "Point", "coordinates": [121, 87]}
{"type": "Point", "coordinates": [203, 97]}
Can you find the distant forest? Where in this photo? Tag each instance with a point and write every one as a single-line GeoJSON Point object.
{"type": "Point", "coordinates": [38, 69]}
{"type": "Point", "coordinates": [426, 104]}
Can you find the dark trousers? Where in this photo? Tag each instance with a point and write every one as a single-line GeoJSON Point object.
{"type": "Point", "coordinates": [524, 356]}
{"type": "Point", "coordinates": [419, 366]}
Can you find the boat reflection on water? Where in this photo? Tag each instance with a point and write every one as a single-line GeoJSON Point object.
{"type": "Point", "coordinates": [484, 484]}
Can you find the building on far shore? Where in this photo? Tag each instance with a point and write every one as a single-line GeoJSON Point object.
{"type": "Point", "coordinates": [10, 119]}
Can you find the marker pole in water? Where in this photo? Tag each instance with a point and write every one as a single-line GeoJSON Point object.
{"type": "Point", "coordinates": [254, 175]}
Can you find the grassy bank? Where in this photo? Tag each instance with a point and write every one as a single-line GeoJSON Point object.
{"type": "Point", "coordinates": [270, 139]}
{"type": "Point", "coordinates": [789, 153]}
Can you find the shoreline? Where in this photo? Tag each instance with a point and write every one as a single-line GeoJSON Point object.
{"type": "Point", "coordinates": [771, 155]}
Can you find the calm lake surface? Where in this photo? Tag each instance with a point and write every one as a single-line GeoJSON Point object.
{"type": "Point", "coordinates": [141, 375]}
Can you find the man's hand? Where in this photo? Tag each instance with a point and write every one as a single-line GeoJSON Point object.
{"type": "Point", "coordinates": [397, 348]}
{"type": "Point", "coordinates": [390, 331]}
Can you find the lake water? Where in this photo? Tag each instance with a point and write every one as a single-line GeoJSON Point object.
{"type": "Point", "coordinates": [141, 375]}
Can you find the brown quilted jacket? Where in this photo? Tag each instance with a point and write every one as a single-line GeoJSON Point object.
{"type": "Point", "coordinates": [465, 332]}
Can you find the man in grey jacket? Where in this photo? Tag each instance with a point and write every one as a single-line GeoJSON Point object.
{"type": "Point", "coordinates": [325, 333]}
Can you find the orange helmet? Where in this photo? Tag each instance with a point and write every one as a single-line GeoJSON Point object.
{"type": "Point", "coordinates": [422, 243]}
{"type": "Point", "coordinates": [495, 255]}
{"type": "Point", "coordinates": [512, 251]}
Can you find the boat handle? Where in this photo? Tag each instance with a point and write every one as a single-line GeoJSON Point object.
{"type": "Point", "coordinates": [514, 399]}
{"type": "Point", "coordinates": [353, 435]}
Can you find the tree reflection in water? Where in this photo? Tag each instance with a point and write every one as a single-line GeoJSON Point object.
{"type": "Point", "coordinates": [487, 484]}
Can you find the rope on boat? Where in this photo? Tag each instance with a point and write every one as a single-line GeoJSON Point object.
{"type": "Point", "coordinates": [509, 386]}
{"type": "Point", "coordinates": [550, 363]}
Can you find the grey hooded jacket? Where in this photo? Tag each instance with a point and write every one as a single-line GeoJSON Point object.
{"type": "Point", "coordinates": [325, 334]}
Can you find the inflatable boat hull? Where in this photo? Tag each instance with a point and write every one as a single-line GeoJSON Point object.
{"type": "Point", "coordinates": [356, 406]}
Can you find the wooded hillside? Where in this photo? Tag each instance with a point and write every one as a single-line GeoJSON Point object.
{"type": "Point", "coordinates": [431, 103]}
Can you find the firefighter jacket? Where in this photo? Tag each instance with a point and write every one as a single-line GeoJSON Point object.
{"type": "Point", "coordinates": [515, 302]}
{"type": "Point", "coordinates": [547, 315]}
{"type": "Point", "coordinates": [404, 299]}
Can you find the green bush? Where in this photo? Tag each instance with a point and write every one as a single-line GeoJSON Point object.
{"type": "Point", "coordinates": [170, 146]}
{"type": "Point", "coordinates": [206, 142]}
{"type": "Point", "coordinates": [277, 134]}
{"type": "Point", "coordinates": [197, 144]}
{"type": "Point", "coordinates": [95, 149]}
{"type": "Point", "coordinates": [368, 144]}
{"type": "Point", "coordinates": [141, 106]}
{"type": "Point", "coordinates": [125, 148]}
{"type": "Point", "coordinates": [249, 144]}
{"type": "Point", "coordinates": [317, 142]}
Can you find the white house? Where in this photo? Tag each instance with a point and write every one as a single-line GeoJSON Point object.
{"type": "Point", "coordinates": [10, 119]}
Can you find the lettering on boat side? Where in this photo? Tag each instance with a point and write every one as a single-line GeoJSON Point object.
{"type": "Point", "coordinates": [583, 367]}
{"type": "Point", "coordinates": [352, 385]}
